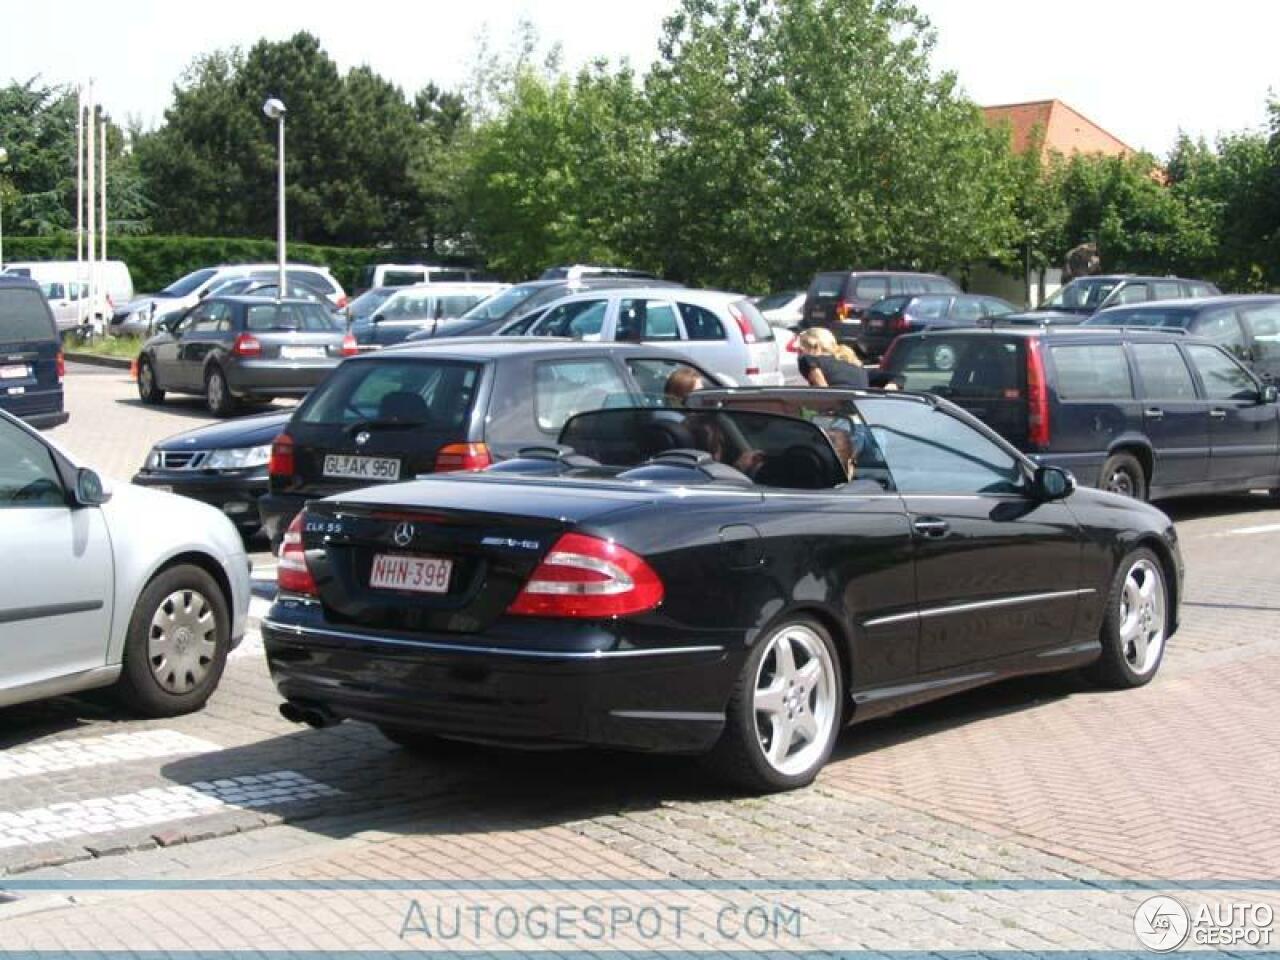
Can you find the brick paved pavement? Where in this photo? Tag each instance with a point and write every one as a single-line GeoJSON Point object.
{"type": "Point", "coordinates": [1042, 779]}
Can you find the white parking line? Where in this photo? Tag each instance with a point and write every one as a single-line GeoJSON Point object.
{"type": "Point", "coordinates": [145, 808]}
{"type": "Point", "coordinates": [1243, 531]}
{"type": "Point", "coordinates": [71, 754]}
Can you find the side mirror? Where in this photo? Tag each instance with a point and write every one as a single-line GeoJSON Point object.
{"type": "Point", "coordinates": [1052, 483]}
{"type": "Point", "coordinates": [89, 489]}
{"type": "Point", "coordinates": [1269, 393]}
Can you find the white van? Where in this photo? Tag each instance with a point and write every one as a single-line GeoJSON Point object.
{"type": "Point", "coordinates": [65, 283]}
{"type": "Point", "coordinates": [411, 274]}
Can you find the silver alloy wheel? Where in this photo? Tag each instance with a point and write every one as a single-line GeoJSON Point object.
{"type": "Point", "coordinates": [146, 379]}
{"type": "Point", "coordinates": [217, 389]}
{"type": "Point", "coordinates": [794, 699]}
{"type": "Point", "coordinates": [1120, 481]}
{"type": "Point", "coordinates": [182, 641]}
{"type": "Point", "coordinates": [1142, 616]}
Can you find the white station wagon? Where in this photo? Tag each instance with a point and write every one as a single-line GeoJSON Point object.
{"type": "Point", "coordinates": [133, 589]}
{"type": "Point", "coordinates": [723, 333]}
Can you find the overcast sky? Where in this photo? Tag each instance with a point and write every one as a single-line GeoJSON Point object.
{"type": "Point", "coordinates": [1143, 69]}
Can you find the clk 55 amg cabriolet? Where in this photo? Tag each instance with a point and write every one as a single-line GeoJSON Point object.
{"type": "Point", "coordinates": [740, 577]}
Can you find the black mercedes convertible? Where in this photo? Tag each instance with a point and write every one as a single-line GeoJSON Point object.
{"type": "Point", "coordinates": [740, 577]}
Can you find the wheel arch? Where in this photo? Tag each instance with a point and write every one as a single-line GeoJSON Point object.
{"type": "Point", "coordinates": [1140, 449]}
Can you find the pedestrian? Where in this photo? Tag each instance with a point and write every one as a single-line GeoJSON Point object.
{"type": "Point", "coordinates": [826, 363]}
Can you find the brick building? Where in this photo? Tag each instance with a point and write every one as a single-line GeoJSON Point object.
{"type": "Point", "coordinates": [1065, 131]}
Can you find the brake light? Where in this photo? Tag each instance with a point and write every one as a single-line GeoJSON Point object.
{"type": "Point", "coordinates": [61, 366]}
{"type": "Point", "coordinates": [743, 322]}
{"type": "Point", "coordinates": [584, 576]}
{"type": "Point", "coordinates": [246, 345]}
{"type": "Point", "coordinates": [793, 345]}
{"type": "Point", "coordinates": [281, 462]}
{"type": "Point", "coordinates": [462, 456]}
{"type": "Point", "coordinates": [844, 309]}
{"type": "Point", "coordinates": [349, 346]}
{"type": "Point", "coordinates": [1037, 397]}
{"type": "Point", "coordinates": [900, 324]}
{"type": "Point", "coordinates": [292, 573]}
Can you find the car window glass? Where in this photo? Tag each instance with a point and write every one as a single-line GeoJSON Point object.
{"type": "Point", "coordinates": [1166, 290]}
{"type": "Point", "coordinates": [581, 319]}
{"type": "Point", "coordinates": [24, 315]}
{"type": "Point", "coordinates": [647, 320]}
{"type": "Point", "coordinates": [1222, 327]}
{"type": "Point", "coordinates": [1195, 289]}
{"type": "Point", "coordinates": [1223, 378]}
{"type": "Point", "coordinates": [927, 450]}
{"type": "Point", "coordinates": [564, 388]}
{"type": "Point", "coordinates": [1092, 372]}
{"type": "Point", "coordinates": [311, 318]}
{"type": "Point", "coordinates": [440, 392]}
{"type": "Point", "coordinates": [402, 278]}
{"type": "Point", "coordinates": [872, 288]}
{"type": "Point", "coordinates": [997, 308]}
{"type": "Point", "coordinates": [666, 380]}
{"type": "Point", "coordinates": [826, 286]}
{"type": "Point", "coordinates": [1264, 324]}
{"type": "Point", "coordinates": [28, 477]}
{"type": "Point", "coordinates": [937, 285]}
{"type": "Point", "coordinates": [1130, 293]}
{"type": "Point", "coordinates": [1163, 372]}
{"type": "Point", "coordinates": [966, 310]}
{"type": "Point", "coordinates": [928, 308]}
{"type": "Point", "coordinates": [960, 367]}
{"type": "Point", "coordinates": [701, 324]}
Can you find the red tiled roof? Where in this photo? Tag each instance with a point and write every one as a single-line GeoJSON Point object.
{"type": "Point", "coordinates": [1065, 130]}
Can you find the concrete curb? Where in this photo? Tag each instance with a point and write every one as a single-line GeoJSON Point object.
{"type": "Point", "coordinates": [118, 363]}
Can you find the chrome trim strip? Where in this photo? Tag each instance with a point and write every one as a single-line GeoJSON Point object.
{"type": "Point", "coordinates": [677, 715]}
{"type": "Point", "coordinates": [18, 614]}
{"type": "Point", "coordinates": [495, 651]}
{"type": "Point", "coordinates": [979, 605]}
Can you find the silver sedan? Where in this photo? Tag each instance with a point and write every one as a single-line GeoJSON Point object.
{"type": "Point", "coordinates": [133, 589]}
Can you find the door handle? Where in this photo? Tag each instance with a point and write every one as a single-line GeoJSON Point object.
{"type": "Point", "coordinates": [1218, 414]}
{"type": "Point", "coordinates": [1153, 413]}
{"type": "Point", "coordinates": [935, 528]}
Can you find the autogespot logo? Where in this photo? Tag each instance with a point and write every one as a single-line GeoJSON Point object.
{"type": "Point", "coordinates": [1162, 924]}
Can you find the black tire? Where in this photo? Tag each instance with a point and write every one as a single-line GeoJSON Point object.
{"type": "Point", "coordinates": [217, 394]}
{"type": "Point", "coordinates": [1115, 668]}
{"type": "Point", "coordinates": [422, 744]}
{"type": "Point", "coordinates": [148, 391]}
{"type": "Point", "coordinates": [1123, 474]}
{"type": "Point", "coordinates": [740, 756]}
{"type": "Point", "coordinates": [140, 686]}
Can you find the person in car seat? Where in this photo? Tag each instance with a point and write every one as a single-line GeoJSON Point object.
{"type": "Point", "coordinates": [680, 384]}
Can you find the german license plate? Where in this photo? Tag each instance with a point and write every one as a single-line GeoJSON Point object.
{"type": "Point", "coordinates": [302, 353]}
{"type": "Point", "coordinates": [361, 468]}
{"type": "Point", "coordinates": [18, 372]}
{"type": "Point", "coordinates": [414, 574]}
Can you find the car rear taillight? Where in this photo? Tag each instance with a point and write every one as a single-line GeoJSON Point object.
{"type": "Point", "coordinates": [246, 345]}
{"type": "Point", "coordinates": [61, 366]}
{"type": "Point", "coordinates": [462, 456]}
{"type": "Point", "coordinates": [793, 345]}
{"type": "Point", "coordinates": [1037, 397]}
{"type": "Point", "coordinates": [743, 322]}
{"type": "Point", "coordinates": [292, 573]}
{"type": "Point", "coordinates": [900, 324]}
{"type": "Point", "coordinates": [844, 309]}
{"type": "Point", "coordinates": [349, 346]}
{"type": "Point", "coordinates": [584, 576]}
{"type": "Point", "coordinates": [281, 462]}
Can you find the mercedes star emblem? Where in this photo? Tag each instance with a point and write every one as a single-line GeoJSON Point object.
{"type": "Point", "coordinates": [403, 535]}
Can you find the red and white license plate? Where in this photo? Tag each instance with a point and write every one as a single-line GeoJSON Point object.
{"type": "Point", "coordinates": [18, 372]}
{"type": "Point", "coordinates": [414, 574]}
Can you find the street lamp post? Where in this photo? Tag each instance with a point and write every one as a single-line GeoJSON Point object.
{"type": "Point", "coordinates": [4, 158]}
{"type": "Point", "coordinates": [275, 110]}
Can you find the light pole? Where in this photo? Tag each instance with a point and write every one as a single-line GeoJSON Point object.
{"type": "Point", "coordinates": [275, 110]}
{"type": "Point", "coordinates": [4, 158]}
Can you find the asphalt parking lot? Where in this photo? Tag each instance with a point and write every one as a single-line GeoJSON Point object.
{"type": "Point", "coordinates": [1045, 778]}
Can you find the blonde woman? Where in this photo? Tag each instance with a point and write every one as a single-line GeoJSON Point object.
{"type": "Point", "coordinates": [826, 363]}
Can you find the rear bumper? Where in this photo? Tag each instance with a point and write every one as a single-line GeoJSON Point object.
{"type": "Point", "coordinates": [235, 495]}
{"type": "Point", "coordinates": [44, 421]}
{"type": "Point", "coordinates": [276, 377]}
{"type": "Point", "coordinates": [670, 700]}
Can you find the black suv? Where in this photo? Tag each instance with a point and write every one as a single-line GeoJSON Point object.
{"type": "Point", "coordinates": [31, 364]}
{"type": "Point", "coordinates": [1248, 326]}
{"type": "Point", "coordinates": [893, 316]}
{"type": "Point", "coordinates": [1145, 413]}
{"type": "Point", "coordinates": [838, 299]}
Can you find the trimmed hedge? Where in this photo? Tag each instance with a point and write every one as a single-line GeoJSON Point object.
{"type": "Point", "coordinates": [155, 261]}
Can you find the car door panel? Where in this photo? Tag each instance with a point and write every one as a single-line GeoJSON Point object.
{"type": "Point", "coordinates": [1244, 433]}
{"type": "Point", "coordinates": [1174, 416]}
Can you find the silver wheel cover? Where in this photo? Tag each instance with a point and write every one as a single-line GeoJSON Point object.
{"type": "Point", "coordinates": [182, 641]}
{"type": "Point", "coordinates": [794, 700]}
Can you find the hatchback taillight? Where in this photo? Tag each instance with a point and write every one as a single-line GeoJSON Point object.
{"type": "Point", "coordinates": [743, 322]}
{"type": "Point", "coordinates": [844, 309]}
{"type": "Point", "coordinates": [292, 573]}
{"type": "Point", "coordinates": [793, 345]}
{"type": "Point", "coordinates": [246, 345]}
{"type": "Point", "coordinates": [281, 462]}
{"type": "Point", "coordinates": [62, 366]}
{"type": "Point", "coordinates": [900, 324]}
{"type": "Point", "coordinates": [462, 456]}
{"type": "Point", "coordinates": [1038, 434]}
{"type": "Point", "coordinates": [349, 346]}
{"type": "Point", "coordinates": [583, 576]}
